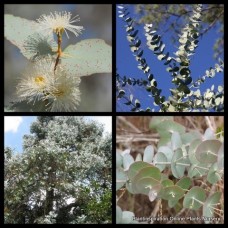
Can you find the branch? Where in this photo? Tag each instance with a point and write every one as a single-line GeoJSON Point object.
{"type": "Point", "coordinates": [212, 24]}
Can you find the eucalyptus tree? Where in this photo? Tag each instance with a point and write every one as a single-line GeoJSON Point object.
{"type": "Point", "coordinates": [63, 174]}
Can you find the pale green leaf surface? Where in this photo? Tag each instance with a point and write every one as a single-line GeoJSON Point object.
{"type": "Point", "coordinates": [88, 57]}
{"type": "Point", "coordinates": [19, 31]}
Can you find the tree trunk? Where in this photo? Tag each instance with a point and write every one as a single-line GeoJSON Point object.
{"type": "Point", "coordinates": [49, 201]}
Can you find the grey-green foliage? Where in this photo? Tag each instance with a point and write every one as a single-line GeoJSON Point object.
{"type": "Point", "coordinates": [159, 15]}
{"type": "Point", "coordinates": [62, 176]}
{"type": "Point", "coordinates": [188, 155]}
{"type": "Point", "coordinates": [185, 94]}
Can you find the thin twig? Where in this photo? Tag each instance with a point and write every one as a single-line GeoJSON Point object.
{"type": "Point", "coordinates": [212, 24]}
{"type": "Point", "coordinates": [155, 211]}
{"type": "Point", "coordinates": [191, 122]}
{"type": "Point", "coordinates": [134, 139]}
{"type": "Point", "coordinates": [128, 124]}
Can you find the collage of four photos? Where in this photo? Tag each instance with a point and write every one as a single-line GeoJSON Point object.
{"type": "Point", "coordinates": [113, 114]}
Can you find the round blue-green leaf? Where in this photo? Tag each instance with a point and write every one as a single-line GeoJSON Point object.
{"type": "Point", "coordinates": [184, 183]}
{"type": "Point", "coordinates": [130, 38]}
{"type": "Point", "coordinates": [161, 56]}
{"type": "Point", "coordinates": [195, 198]}
{"type": "Point", "coordinates": [134, 49]}
{"type": "Point", "coordinates": [127, 161]}
{"type": "Point", "coordinates": [137, 103]}
{"type": "Point", "coordinates": [144, 185]}
{"type": "Point", "coordinates": [177, 164]}
{"type": "Point", "coordinates": [119, 215]}
{"type": "Point", "coordinates": [160, 158]}
{"type": "Point", "coordinates": [140, 185]}
{"type": "Point", "coordinates": [214, 175]}
{"type": "Point", "coordinates": [129, 29]}
{"type": "Point", "coordinates": [131, 97]}
{"type": "Point", "coordinates": [164, 140]}
{"type": "Point", "coordinates": [129, 187]}
{"type": "Point", "coordinates": [140, 53]}
{"type": "Point", "coordinates": [207, 151]}
{"type": "Point", "coordinates": [134, 33]}
{"type": "Point", "coordinates": [168, 126]}
{"type": "Point", "coordinates": [172, 193]}
{"type": "Point", "coordinates": [154, 191]}
{"type": "Point", "coordinates": [121, 178]}
{"type": "Point", "coordinates": [121, 93]}
{"type": "Point", "coordinates": [210, 204]}
{"type": "Point", "coordinates": [197, 170]}
{"type": "Point", "coordinates": [148, 154]}
{"type": "Point", "coordinates": [188, 81]}
{"type": "Point", "coordinates": [137, 43]}
{"type": "Point", "coordinates": [127, 151]}
{"type": "Point", "coordinates": [184, 71]}
{"type": "Point", "coordinates": [167, 183]}
{"type": "Point", "coordinates": [128, 217]}
{"type": "Point", "coordinates": [136, 167]}
{"type": "Point", "coordinates": [128, 19]}
{"type": "Point", "coordinates": [138, 157]}
{"type": "Point", "coordinates": [192, 149]}
{"type": "Point", "coordinates": [220, 159]}
{"type": "Point", "coordinates": [157, 100]}
{"type": "Point", "coordinates": [209, 134]}
{"type": "Point", "coordinates": [189, 137]}
{"type": "Point", "coordinates": [150, 77]}
{"type": "Point", "coordinates": [164, 177]}
{"type": "Point", "coordinates": [175, 69]}
{"type": "Point", "coordinates": [166, 151]}
{"type": "Point", "coordinates": [184, 88]}
{"type": "Point", "coordinates": [156, 120]}
{"type": "Point", "coordinates": [176, 140]}
{"type": "Point", "coordinates": [152, 171]}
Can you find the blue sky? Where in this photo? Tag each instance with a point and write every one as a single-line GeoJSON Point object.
{"type": "Point", "coordinates": [15, 127]}
{"type": "Point", "coordinates": [127, 65]}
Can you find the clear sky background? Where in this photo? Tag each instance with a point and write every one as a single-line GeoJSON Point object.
{"type": "Point", "coordinates": [201, 61]}
{"type": "Point", "coordinates": [15, 127]}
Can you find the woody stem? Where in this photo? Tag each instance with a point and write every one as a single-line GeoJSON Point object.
{"type": "Point", "coordinates": [59, 51]}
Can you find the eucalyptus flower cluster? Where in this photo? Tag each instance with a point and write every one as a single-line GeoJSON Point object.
{"type": "Point", "coordinates": [45, 79]}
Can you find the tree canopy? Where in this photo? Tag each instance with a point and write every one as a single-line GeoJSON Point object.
{"type": "Point", "coordinates": [63, 175]}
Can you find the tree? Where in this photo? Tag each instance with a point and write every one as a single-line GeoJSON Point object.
{"type": "Point", "coordinates": [187, 91]}
{"type": "Point", "coordinates": [48, 184]}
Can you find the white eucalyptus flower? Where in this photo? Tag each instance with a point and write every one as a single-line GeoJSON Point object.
{"type": "Point", "coordinates": [63, 92]}
{"type": "Point", "coordinates": [60, 22]}
{"type": "Point", "coordinates": [35, 80]}
{"type": "Point", "coordinates": [58, 90]}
